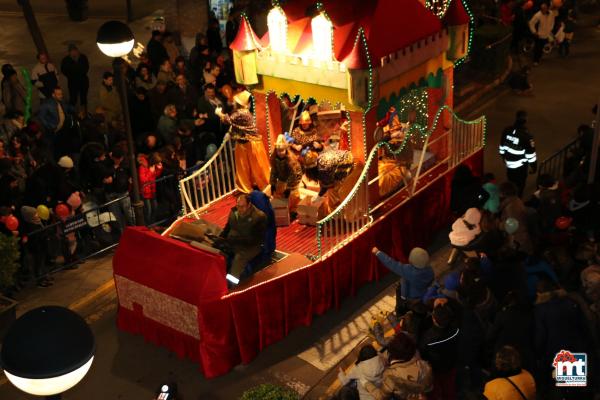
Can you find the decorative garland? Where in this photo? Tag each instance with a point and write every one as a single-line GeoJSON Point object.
{"type": "Point", "coordinates": [422, 130]}
{"type": "Point", "coordinates": [471, 29]}
{"type": "Point", "coordinates": [28, 94]}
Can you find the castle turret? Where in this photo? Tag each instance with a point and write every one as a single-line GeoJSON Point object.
{"type": "Point", "coordinates": [245, 46]}
{"type": "Point", "coordinates": [457, 20]}
{"type": "Point", "coordinates": [359, 72]}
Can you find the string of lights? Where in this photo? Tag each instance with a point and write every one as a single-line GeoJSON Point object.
{"type": "Point", "coordinates": [423, 131]}
{"type": "Point", "coordinates": [471, 28]}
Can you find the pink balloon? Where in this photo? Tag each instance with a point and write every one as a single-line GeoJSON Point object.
{"type": "Point", "coordinates": [74, 200]}
{"type": "Point", "coordinates": [12, 223]}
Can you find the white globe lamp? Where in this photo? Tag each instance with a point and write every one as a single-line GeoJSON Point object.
{"type": "Point", "coordinates": [47, 351]}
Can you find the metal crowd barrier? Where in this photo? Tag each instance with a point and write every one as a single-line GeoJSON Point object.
{"type": "Point", "coordinates": [556, 164]}
{"type": "Point", "coordinates": [98, 228]}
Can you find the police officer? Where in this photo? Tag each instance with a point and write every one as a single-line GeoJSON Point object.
{"type": "Point", "coordinates": [517, 148]}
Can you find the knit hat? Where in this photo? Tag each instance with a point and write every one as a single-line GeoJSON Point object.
{"type": "Point", "coordinates": [242, 98]}
{"type": "Point", "coordinates": [30, 215]}
{"type": "Point", "coordinates": [419, 257]}
{"type": "Point", "coordinates": [472, 216]}
{"type": "Point", "coordinates": [65, 162]}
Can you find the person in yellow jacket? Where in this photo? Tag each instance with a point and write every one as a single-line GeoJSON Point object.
{"type": "Point", "coordinates": [512, 382]}
{"type": "Point", "coordinates": [251, 159]}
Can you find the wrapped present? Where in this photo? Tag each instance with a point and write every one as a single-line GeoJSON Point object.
{"type": "Point", "coordinates": [281, 208]}
{"type": "Point", "coordinates": [308, 210]}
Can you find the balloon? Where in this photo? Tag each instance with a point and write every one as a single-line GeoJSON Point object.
{"type": "Point", "coordinates": [62, 210]}
{"type": "Point", "coordinates": [43, 212]}
{"type": "Point", "coordinates": [563, 223]}
{"type": "Point", "coordinates": [11, 222]}
{"type": "Point", "coordinates": [528, 5]}
{"type": "Point", "coordinates": [511, 225]}
{"type": "Point", "coordinates": [74, 200]}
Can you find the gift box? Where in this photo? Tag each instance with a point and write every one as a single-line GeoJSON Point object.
{"type": "Point", "coordinates": [308, 210]}
{"type": "Point", "coordinates": [281, 208]}
{"type": "Point", "coordinates": [309, 184]}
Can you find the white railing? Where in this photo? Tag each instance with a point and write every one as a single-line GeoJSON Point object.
{"type": "Point", "coordinates": [467, 138]}
{"type": "Point", "coordinates": [347, 220]}
{"type": "Point", "coordinates": [354, 214]}
{"type": "Point", "coordinates": [212, 182]}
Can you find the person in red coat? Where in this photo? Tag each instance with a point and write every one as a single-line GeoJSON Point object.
{"type": "Point", "coordinates": [150, 168]}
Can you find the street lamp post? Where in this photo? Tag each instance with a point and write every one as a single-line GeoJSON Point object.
{"type": "Point", "coordinates": [33, 26]}
{"type": "Point", "coordinates": [47, 351]}
{"type": "Point", "coordinates": [115, 39]}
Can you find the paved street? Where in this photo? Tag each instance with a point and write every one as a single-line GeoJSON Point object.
{"type": "Point", "coordinates": [128, 368]}
{"type": "Point", "coordinates": [564, 92]}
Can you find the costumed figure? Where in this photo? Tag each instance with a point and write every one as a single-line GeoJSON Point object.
{"type": "Point", "coordinates": [306, 136]}
{"type": "Point", "coordinates": [394, 169]}
{"type": "Point", "coordinates": [330, 168]}
{"type": "Point", "coordinates": [251, 159]}
{"type": "Point", "coordinates": [286, 173]}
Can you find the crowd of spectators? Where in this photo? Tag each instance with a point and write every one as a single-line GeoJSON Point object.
{"type": "Point", "coordinates": [67, 154]}
{"type": "Point", "coordinates": [523, 284]}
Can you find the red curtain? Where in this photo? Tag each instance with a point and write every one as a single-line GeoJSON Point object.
{"type": "Point", "coordinates": [237, 326]}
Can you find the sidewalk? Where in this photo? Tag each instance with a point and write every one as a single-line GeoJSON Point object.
{"type": "Point", "coordinates": [59, 31]}
{"type": "Point", "coordinates": [76, 289]}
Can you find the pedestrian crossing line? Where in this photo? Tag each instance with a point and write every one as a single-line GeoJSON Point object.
{"type": "Point", "coordinates": [327, 353]}
{"type": "Point", "coordinates": [90, 297]}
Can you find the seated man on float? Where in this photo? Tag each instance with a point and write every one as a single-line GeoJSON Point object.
{"type": "Point", "coordinates": [244, 235]}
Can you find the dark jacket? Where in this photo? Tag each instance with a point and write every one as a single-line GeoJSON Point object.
{"type": "Point", "coordinates": [439, 346]}
{"type": "Point", "coordinates": [141, 116]}
{"type": "Point", "coordinates": [42, 186]}
{"type": "Point", "coordinates": [158, 102]}
{"type": "Point", "coordinates": [184, 99]}
{"type": "Point", "coordinates": [76, 70]}
{"type": "Point", "coordinates": [13, 95]}
{"type": "Point", "coordinates": [120, 175]}
{"type": "Point", "coordinates": [157, 54]}
{"type": "Point", "coordinates": [100, 171]}
{"type": "Point", "coordinates": [214, 39]}
{"type": "Point", "coordinates": [48, 114]}
{"type": "Point", "coordinates": [559, 324]}
{"type": "Point", "coordinates": [246, 231]}
{"type": "Point", "coordinates": [513, 326]}
{"type": "Point", "coordinates": [286, 170]}
{"type": "Point", "coordinates": [466, 191]}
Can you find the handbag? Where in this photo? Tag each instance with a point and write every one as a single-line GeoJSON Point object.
{"type": "Point", "coordinates": [517, 388]}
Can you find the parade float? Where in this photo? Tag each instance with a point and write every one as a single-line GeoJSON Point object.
{"type": "Point", "coordinates": [378, 75]}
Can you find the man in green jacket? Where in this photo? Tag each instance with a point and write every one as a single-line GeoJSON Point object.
{"type": "Point", "coordinates": [244, 233]}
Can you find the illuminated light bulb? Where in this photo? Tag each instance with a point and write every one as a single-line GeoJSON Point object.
{"type": "Point", "coordinates": [277, 24]}
{"type": "Point", "coordinates": [322, 33]}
